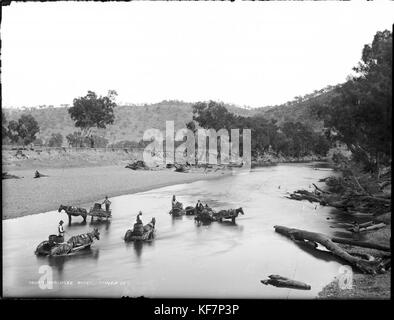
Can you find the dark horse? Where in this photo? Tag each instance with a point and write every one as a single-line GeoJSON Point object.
{"type": "Point", "coordinates": [73, 211]}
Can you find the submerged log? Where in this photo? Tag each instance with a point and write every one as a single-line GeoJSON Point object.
{"type": "Point", "coordinates": [283, 282]}
{"type": "Point", "coordinates": [363, 265]}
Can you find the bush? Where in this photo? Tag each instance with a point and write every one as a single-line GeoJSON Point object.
{"type": "Point", "coordinates": [56, 140]}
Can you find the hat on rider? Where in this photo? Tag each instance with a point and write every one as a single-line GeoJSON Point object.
{"type": "Point", "coordinates": [61, 222]}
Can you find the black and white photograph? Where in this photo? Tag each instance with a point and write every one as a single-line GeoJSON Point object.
{"type": "Point", "coordinates": [196, 150]}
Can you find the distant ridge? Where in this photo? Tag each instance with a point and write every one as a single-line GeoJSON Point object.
{"type": "Point", "coordinates": [132, 120]}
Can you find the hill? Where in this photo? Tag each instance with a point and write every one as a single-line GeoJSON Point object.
{"type": "Point", "coordinates": [132, 120]}
{"type": "Point", "coordinates": [299, 109]}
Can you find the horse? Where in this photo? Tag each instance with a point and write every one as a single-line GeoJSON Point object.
{"type": "Point", "coordinates": [73, 211]}
{"type": "Point", "coordinates": [228, 214]}
{"type": "Point", "coordinates": [85, 240]}
{"type": "Point", "coordinates": [190, 210]}
{"type": "Point", "coordinates": [177, 210]}
{"type": "Point", "coordinates": [204, 216]}
{"type": "Point", "coordinates": [147, 234]}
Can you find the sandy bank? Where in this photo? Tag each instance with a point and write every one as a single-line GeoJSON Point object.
{"type": "Point", "coordinates": [83, 186]}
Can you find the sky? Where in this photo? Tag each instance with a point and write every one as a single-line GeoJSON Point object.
{"type": "Point", "coordinates": [246, 53]}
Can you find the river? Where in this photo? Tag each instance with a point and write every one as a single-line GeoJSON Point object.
{"type": "Point", "coordinates": [221, 260]}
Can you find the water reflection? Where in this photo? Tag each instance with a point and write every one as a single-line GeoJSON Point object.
{"type": "Point", "coordinates": [77, 224]}
{"type": "Point", "coordinates": [98, 223]}
{"type": "Point", "coordinates": [139, 246]}
{"type": "Point", "coordinates": [59, 262]}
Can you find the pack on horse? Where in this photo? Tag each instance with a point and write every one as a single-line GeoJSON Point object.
{"type": "Point", "coordinates": [82, 240]}
{"type": "Point", "coordinates": [204, 215]}
{"type": "Point", "coordinates": [141, 232]}
{"type": "Point", "coordinates": [177, 209]}
{"type": "Point", "coordinates": [54, 248]}
{"type": "Point", "coordinates": [73, 211]}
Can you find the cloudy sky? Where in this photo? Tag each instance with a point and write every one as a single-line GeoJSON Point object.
{"type": "Point", "coordinates": [248, 53]}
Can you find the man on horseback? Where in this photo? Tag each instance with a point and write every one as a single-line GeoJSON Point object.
{"type": "Point", "coordinates": [174, 202]}
{"type": "Point", "coordinates": [107, 203]}
{"type": "Point", "coordinates": [61, 231]}
{"type": "Point", "coordinates": [138, 217]}
{"type": "Point", "coordinates": [199, 206]}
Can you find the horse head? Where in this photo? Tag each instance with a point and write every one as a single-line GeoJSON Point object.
{"type": "Point", "coordinates": [240, 210]}
{"type": "Point", "coordinates": [153, 221]}
{"type": "Point", "coordinates": [96, 234]}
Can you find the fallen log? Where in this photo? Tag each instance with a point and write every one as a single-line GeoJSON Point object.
{"type": "Point", "coordinates": [361, 225]}
{"type": "Point", "coordinates": [358, 229]}
{"type": "Point", "coordinates": [386, 265]}
{"type": "Point", "coordinates": [318, 189]}
{"type": "Point", "coordinates": [358, 184]}
{"type": "Point", "coordinates": [366, 224]}
{"type": "Point", "coordinates": [283, 282]}
{"type": "Point", "coordinates": [365, 266]}
{"type": "Point", "coordinates": [362, 244]}
{"type": "Point", "coordinates": [304, 195]}
{"type": "Point", "coordinates": [379, 199]}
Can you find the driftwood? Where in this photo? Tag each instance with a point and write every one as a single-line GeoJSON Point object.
{"type": "Point", "coordinates": [358, 228]}
{"type": "Point", "coordinates": [318, 189]}
{"type": "Point", "coordinates": [139, 164]}
{"type": "Point", "coordinates": [6, 175]}
{"type": "Point", "coordinates": [297, 235]}
{"type": "Point", "coordinates": [352, 192]}
{"type": "Point", "coordinates": [305, 195]}
{"type": "Point", "coordinates": [362, 244]}
{"type": "Point", "coordinates": [347, 201]}
{"type": "Point", "coordinates": [358, 183]}
{"type": "Point", "coordinates": [279, 281]}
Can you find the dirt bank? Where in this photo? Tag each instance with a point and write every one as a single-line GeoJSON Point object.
{"type": "Point", "coordinates": [365, 286]}
{"type": "Point", "coordinates": [83, 186]}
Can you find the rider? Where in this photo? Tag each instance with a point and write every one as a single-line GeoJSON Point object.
{"type": "Point", "coordinates": [138, 217]}
{"type": "Point", "coordinates": [60, 230]}
{"type": "Point", "coordinates": [107, 203]}
{"type": "Point", "coordinates": [199, 206]}
{"type": "Point", "coordinates": [173, 202]}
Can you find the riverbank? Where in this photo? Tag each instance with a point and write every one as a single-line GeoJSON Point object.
{"type": "Point", "coordinates": [84, 186]}
{"type": "Point", "coordinates": [364, 286]}
{"type": "Point", "coordinates": [359, 192]}
{"type": "Point", "coordinates": [60, 158]}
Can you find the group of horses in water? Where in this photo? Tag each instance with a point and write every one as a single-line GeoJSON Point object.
{"type": "Point", "coordinates": [55, 245]}
{"type": "Point", "coordinates": [205, 214]}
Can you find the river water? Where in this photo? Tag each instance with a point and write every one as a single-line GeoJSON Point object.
{"type": "Point", "coordinates": [220, 260]}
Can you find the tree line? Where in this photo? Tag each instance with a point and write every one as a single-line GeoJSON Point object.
{"type": "Point", "coordinates": [88, 113]}
{"type": "Point", "coordinates": [359, 112]}
{"type": "Point", "coordinates": [291, 139]}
